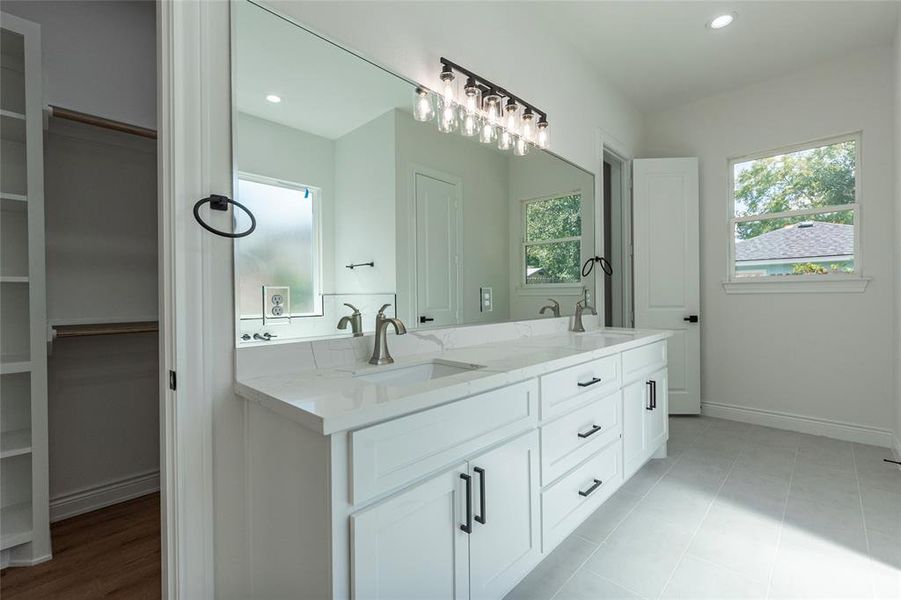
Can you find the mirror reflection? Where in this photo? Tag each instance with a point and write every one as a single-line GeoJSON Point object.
{"type": "Point", "coordinates": [359, 205]}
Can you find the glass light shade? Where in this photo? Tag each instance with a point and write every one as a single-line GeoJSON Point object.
{"type": "Point", "coordinates": [511, 118]}
{"type": "Point", "coordinates": [492, 106]}
{"type": "Point", "coordinates": [447, 116]}
{"type": "Point", "coordinates": [528, 126]}
{"type": "Point", "coordinates": [520, 147]}
{"type": "Point", "coordinates": [504, 140]}
{"type": "Point", "coordinates": [448, 88]}
{"type": "Point", "coordinates": [470, 125]}
{"type": "Point", "coordinates": [472, 97]}
{"type": "Point", "coordinates": [543, 138]}
{"type": "Point", "coordinates": [488, 132]}
{"type": "Point", "coordinates": [423, 110]}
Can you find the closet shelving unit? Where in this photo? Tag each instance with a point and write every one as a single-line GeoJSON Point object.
{"type": "Point", "coordinates": [24, 503]}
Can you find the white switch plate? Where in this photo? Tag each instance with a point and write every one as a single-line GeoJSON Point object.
{"type": "Point", "coordinates": [486, 299]}
{"type": "Point", "coordinates": [276, 304]}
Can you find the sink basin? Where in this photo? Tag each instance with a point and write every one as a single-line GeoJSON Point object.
{"type": "Point", "coordinates": [410, 374]}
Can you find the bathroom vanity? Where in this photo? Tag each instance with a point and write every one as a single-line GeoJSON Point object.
{"type": "Point", "coordinates": [449, 474]}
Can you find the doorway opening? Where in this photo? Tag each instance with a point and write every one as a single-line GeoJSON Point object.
{"type": "Point", "coordinates": [617, 240]}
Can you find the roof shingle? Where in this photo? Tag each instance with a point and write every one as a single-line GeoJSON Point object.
{"type": "Point", "coordinates": [807, 240]}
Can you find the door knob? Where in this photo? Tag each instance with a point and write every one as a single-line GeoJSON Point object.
{"type": "Point", "coordinates": [691, 318]}
{"type": "Point", "coordinates": [424, 319]}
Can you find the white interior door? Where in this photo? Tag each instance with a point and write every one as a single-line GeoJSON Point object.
{"type": "Point", "coordinates": [437, 203]}
{"type": "Point", "coordinates": [666, 276]}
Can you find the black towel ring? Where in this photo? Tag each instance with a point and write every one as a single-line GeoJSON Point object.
{"type": "Point", "coordinates": [589, 265]}
{"type": "Point", "coordinates": [218, 202]}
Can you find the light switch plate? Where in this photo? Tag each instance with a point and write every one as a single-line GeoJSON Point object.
{"type": "Point", "coordinates": [486, 299]}
{"type": "Point", "coordinates": [276, 304]}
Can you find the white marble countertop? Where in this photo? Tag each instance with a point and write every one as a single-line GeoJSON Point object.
{"type": "Point", "coordinates": [329, 400]}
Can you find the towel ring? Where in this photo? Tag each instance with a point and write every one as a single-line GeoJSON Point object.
{"type": "Point", "coordinates": [218, 202]}
{"type": "Point", "coordinates": [606, 267]}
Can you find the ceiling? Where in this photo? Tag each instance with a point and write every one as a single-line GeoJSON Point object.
{"type": "Point", "coordinates": [325, 90]}
{"type": "Point", "coordinates": [660, 54]}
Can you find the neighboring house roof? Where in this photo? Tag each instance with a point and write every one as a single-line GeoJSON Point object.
{"type": "Point", "coordinates": [804, 240]}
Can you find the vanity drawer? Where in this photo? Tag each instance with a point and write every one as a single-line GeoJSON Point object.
{"type": "Point", "coordinates": [563, 390]}
{"type": "Point", "coordinates": [574, 437]}
{"type": "Point", "coordinates": [642, 360]}
{"type": "Point", "coordinates": [389, 455]}
{"type": "Point", "coordinates": [569, 501]}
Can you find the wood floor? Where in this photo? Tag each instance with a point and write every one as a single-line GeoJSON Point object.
{"type": "Point", "coordinates": [109, 553]}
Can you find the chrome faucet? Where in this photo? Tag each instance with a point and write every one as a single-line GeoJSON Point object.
{"type": "Point", "coordinates": [554, 306]}
{"type": "Point", "coordinates": [577, 320]}
{"type": "Point", "coordinates": [380, 354]}
{"type": "Point", "coordinates": [355, 320]}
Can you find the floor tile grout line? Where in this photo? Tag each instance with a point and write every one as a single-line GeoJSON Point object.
{"type": "Point", "coordinates": [863, 518]}
{"type": "Point", "coordinates": [791, 478]}
{"type": "Point", "coordinates": [704, 518]}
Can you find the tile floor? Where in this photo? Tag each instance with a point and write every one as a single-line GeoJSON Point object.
{"type": "Point", "coordinates": [738, 511]}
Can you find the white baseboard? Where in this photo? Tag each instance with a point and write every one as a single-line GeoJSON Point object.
{"type": "Point", "coordinates": [104, 495]}
{"type": "Point", "coordinates": [834, 429]}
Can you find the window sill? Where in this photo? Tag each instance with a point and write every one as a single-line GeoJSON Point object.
{"type": "Point", "coordinates": [543, 289]}
{"type": "Point", "coordinates": [799, 285]}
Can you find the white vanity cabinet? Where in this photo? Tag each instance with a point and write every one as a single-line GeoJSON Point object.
{"type": "Point", "coordinates": [457, 500]}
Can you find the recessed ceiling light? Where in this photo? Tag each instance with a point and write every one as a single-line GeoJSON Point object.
{"type": "Point", "coordinates": [274, 98]}
{"type": "Point", "coordinates": [721, 21]}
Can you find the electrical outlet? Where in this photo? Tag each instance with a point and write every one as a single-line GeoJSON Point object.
{"type": "Point", "coordinates": [486, 299]}
{"type": "Point", "coordinates": [276, 304]}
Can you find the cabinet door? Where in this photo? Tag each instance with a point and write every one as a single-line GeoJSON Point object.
{"type": "Point", "coordinates": [635, 411]}
{"type": "Point", "coordinates": [657, 423]}
{"type": "Point", "coordinates": [411, 545]}
{"type": "Point", "coordinates": [505, 541]}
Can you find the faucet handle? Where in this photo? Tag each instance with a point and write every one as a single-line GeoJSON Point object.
{"type": "Point", "coordinates": [354, 308]}
{"type": "Point", "coordinates": [382, 309]}
{"type": "Point", "coordinates": [554, 302]}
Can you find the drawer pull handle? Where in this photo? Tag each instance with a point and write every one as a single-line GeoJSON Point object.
{"type": "Point", "coordinates": [650, 402]}
{"type": "Point", "coordinates": [594, 429]}
{"type": "Point", "coordinates": [481, 516]}
{"type": "Point", "coordinates": [592, 382]}
{"type": "Point", "coordinates": [467, 527]}
{"type": "Point", "coordinates": [585, 493]}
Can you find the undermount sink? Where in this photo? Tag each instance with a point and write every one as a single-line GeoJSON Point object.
{"type": "Point", "coordinates": [407, 375]}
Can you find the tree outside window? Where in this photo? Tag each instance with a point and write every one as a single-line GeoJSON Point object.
{"type": "Point", "coordinates": [552, 240]}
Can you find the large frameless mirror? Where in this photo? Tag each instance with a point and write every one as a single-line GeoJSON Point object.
{"type": "Point", "coordinates": [358, 204]}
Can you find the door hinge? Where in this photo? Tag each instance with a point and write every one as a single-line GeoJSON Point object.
{"type": "Point", "coordinates": [172, 380]}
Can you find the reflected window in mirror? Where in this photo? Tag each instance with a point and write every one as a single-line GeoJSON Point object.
{"type": "Point", "coordinates": [284, 250]}
{"type": "Point", "coordinates": [552, 240]}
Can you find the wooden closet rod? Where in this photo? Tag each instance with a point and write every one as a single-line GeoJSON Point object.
{"type": "Point", "coordinates": [80, 117]}
{"type": "Point", "coordinates": [65, 331]}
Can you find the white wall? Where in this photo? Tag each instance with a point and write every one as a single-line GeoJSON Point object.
{"type": "Point", "coordinates": [897, 168]}
{"type": "Point", "coordinates": [483, 230]}
{"type": "Point", "coordinates": [823, 356]}
{"type": "Point", "coordinates": [365, 192]}
{"type": "Point", "coordinates": [99, 56]}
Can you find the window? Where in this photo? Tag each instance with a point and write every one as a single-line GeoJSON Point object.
{"type": "Point", "coordinates": [552, 240]}
{"type": "Point", "coordinates": [795, 212]}
{"type": "Point", "coordinates": [284, 249]}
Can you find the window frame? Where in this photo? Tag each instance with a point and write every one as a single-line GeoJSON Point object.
{"type": "Point", "coordinates": [317, 244]}
{"type": "Point", "coordinates": [524, 243]}
{"type": "Point", "coordinates": [794, 283]}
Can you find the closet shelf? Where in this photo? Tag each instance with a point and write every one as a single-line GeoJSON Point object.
{"type": "Point", "coordinates": [15, 197]}
{"type": "Point", "coordinates": [65, 331]}
{"type": "Point", "coordinates": [12, 126]}
{"type": "Point", "coordinates": [15, 525]}
{"type": "Point", "coordinates": [14, 363]}
{"type": "Point", "coordinates": [13, 279]}
{"type": "Point", "coordinates": [15, 443]}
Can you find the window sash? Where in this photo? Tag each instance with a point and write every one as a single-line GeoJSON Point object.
{"type": "Point", "coordinates": [526, 243]}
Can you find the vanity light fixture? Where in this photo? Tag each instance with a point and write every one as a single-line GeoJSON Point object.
{"type": "Point", "coordinates": [274, 98]}
{"type": "Point", "coordinates": [484, 109]}
{"type": "Point", "coordinates": [721, 21]}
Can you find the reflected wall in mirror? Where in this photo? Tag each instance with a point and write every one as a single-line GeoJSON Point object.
{"type": "Point", "coordinates": [358, 205]}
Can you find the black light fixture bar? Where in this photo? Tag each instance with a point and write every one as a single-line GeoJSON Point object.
{"type": "Point", "coordinates": [488, 85]}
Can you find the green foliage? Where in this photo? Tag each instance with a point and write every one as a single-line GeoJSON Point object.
{"type": "Point", "coordinates": [809, 269]}
{"type": "Point", "coordinates": [551, 219]}
{"type": "Point", "coordinates": [812, 178]}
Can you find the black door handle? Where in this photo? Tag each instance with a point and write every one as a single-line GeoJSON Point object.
{"type": "Point", "coordinates": [691, 318]}
{"type": "Point", "coordinates": [481, 516]}
{"type": "Point", "coordinates": [594, 429]}
{"type": "Point", "coordinates": [585, 493]}
{"type": "Point", "coordinates": [591, 382]}
{"type": "Point", "coordinates": [467, 527]}
{"type": "Point", "coordinates": [425, 319]}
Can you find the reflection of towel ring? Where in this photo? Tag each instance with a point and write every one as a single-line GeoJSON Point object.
{"type": "Point", "coordinates": [218, 202]}
{"type": "Point", "coordinates": [589, 265]}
